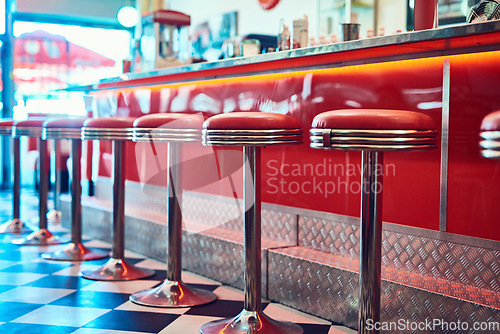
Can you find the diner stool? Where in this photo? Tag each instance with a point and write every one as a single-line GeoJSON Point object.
{"type": "Point", "coordinates": [118, 130]}
{"type": "Point", "coordinates": [372, 131]}
{"type": "Point", "coordinates": [33, 128]}
{"type": "Point", "coordinates": [15, 225]}
{"type": "Point", "coordinates": [252, 131]}
{"type": "Point", "coordinates": [70, 128]}
{"type": "Point", "coordinates": [173, 129]}
{"type": "Point", "coordinates": [490, 135]}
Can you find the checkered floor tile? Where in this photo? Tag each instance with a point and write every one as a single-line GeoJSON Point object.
{"type": "Point", "coordinates": [40, 296]}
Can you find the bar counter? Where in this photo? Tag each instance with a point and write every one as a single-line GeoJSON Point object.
{"type": "Point", "coordinates": [441, 240]}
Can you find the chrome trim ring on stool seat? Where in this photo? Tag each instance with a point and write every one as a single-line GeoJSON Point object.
{"type": "Point", "coordinates": [490, 144]}
{"type": "Point", "coordinates": [106, 134]}
{"type": "Point", "coordinates": [252, 130]}
{"type": "Point", "coordinates": [166, 135]}
{"type": "Point", "coordinates": [33, 128]}
{"type": "Point", "coordinates": [15, 225]}
{"type": "Point", "coordinates": [174, 129]}
{"type": "Point", "coordinates": [372, 140]}
{"type": "Point", "coordinates": [70, 128]}
{"type": "Point", "coordinates": [252, 137]}
{"type": "Point", "coordinates": [371, 131]}
{"type": "Point", "coordinates": [118, 130]}
{"type": "Point", "coordinates": [6, 127]}
{"type": "Point", "coordinates": [490, 134]}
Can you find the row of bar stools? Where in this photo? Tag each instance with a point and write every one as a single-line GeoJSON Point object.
{"type": "Point", "coordinates": [251, 130]}
{"type": "Point", "coordinates": [33, 128]}
{"type": "Point", "coordinates": [372, 132]}
{"type": "Point", "coordinates": [70, 128]}
{"type": "Point", "coordinates": [15, 225]}
{"type": "Point", "coordinates": [119, 130]}
{"type": "Point", "coordinates": [173, 129]}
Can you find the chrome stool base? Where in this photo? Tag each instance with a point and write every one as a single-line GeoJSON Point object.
{"type": "Point", "coordinates": [173, 294]}
{"type": "Point", "coordinates": [76, 252]}
{"type": "Point", "coordinates": [16, 226]}
{"type": "Point", "coordinates": [250, 322]}
{"type": "Point", "coordinates": [42, 237]}
{"type": "Point", "coordinates": [117, 270]}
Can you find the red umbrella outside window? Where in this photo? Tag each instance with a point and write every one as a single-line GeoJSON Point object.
{"type": "Point", "coordinates": [47, 61]}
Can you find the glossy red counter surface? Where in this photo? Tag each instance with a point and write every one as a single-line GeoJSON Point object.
{"type": "Point", "coordinates": [453, 79]}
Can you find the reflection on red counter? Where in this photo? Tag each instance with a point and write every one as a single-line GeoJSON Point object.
{"type": "Point", "coordinates": [305, 178]}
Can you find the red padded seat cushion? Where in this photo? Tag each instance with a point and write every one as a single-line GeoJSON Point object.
{"type": "Point", "coordinates": [170, 120]}
{"type": "Point", "coordinates": [6, 122]}
{"type": "Point", "coordinates": [31, 123]}
{"type": "Point", "coordinates": [110, 122]}
{"type": "Point", "coordinates": [373, 119]}
{"type": "Point", "coordinates": [491, 122]}
{"type": "Point", "coordinates": [60, 123]}
{"type": "Point", "coordinates": [251, 120]}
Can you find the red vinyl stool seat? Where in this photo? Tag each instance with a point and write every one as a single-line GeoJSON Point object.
{"type": "Point", "coordinates": [119, 130]}
{"type": "Point", "coordinates": [71, 128]}
{"type": "Point", "coordinates": [173, 129]}
{"type": "Point", "coordinates": [252, 131]}
{"type": "Point", "coordinates": [33, 128]}
{"type": "Point", "coordinates": [490, 136]}
{"type": "Point", "coordinates": [372, 131]}
{"type": "Point", "coordinates": [15, 225]}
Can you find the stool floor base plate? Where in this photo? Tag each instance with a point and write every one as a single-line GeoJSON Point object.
{"type": "Point", "coordinates": [117, 270]}
{"type": "Point", "coordinates": [76, 252]}
{"type": "Point", "coordinates": [173, 294]}
{"type": "Point", "coordinates": [42, 237]}
{"type": "Point", "coordinates": [15, 226]}
{"type": "Point", "coordinates": [250, 322]}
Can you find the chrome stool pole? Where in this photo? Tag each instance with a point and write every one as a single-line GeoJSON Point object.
{"type": "Point", "coordinates": [118, 130]}
{"type": "Point", "coordinates": [68, 128]}
{"type": "Point", "coordinates": [172, 292]}
{"type": "Point", "coordinates": [252, 227]}
{"type": "Point", "coordinates": [372, 131]}
{"type": "Point", "coordinates": [15, 225]}
{"type": "Point", "coordinates": [54, 215]}
{"type": "Point", "coordinates": [370, 237]}
{"type": "Point", "coordinates": [251, 130]}
{"type": "Point", "coordinates": [43, 236]}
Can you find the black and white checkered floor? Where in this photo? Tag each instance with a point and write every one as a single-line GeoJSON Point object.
{"type": "Point", "coordinates": [40, 296]}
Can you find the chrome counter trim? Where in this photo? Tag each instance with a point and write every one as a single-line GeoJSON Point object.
{"type": "Point", "coordinates": [375, 42]}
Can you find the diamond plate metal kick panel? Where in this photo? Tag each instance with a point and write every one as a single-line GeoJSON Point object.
{"type": "Point", "coordinates": [455, 262]}
{"type": "Point", "coordinates": [319, 283]}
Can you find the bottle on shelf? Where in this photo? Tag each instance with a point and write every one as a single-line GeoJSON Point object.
{"type": "Point", "coordinates": [283, 37]}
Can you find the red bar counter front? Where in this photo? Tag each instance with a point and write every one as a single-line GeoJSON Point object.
{"type": "Point", "coordinates": [453, 184]}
